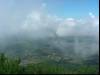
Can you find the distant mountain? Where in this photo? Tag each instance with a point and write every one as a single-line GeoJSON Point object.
{"type": "Point", "coordinates": [67, 49]}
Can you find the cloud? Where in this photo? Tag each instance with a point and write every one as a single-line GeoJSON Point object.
{"type": "Point", "coordinates": [33, 20]}
{"type": "Point", "coordinates": [82, 27]}
{"type": "Point", "coordinates": [37, 20]}
{"type": "Point", "coordinates": [39, 24]}
{"type": "Point", "coordinates": [66, 27]}
{"type": "Point", "coordinates": [91, 15]}
{"type": "Point", "coordinates": [70, 21]}
{"type": "Point", "coordinates": [46, 24]}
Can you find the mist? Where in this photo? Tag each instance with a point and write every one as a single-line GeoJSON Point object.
{"type": "Point", "coordinates": [38, 23]}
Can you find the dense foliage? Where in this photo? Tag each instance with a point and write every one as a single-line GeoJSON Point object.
{"type": "Point", "coordinates": [13, 66]}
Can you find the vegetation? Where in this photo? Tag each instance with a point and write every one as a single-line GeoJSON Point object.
{"type": "Point", "coordinates": [13, 66]}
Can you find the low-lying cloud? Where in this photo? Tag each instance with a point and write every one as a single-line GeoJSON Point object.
{"type": "Point", "coordinates": [38, 23]}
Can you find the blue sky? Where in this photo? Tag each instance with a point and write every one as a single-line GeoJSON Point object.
{"type": "Point", "coordinates": [62, 8]}
{"type": "Point", "coordinates": [73, 8]}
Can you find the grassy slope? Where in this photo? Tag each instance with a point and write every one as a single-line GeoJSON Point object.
{"type": "Point", "coordinates": [12, 66]}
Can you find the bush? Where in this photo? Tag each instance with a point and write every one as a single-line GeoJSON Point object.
{"type": "Point", "coordinates": [12, 66]}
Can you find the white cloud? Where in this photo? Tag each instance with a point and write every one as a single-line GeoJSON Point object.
{"type": "Point", "coordinates": [66, 27]}
{"type": "Point", "coordinates": [70, 21]}
{"type": "Point", "coordinates": [91, 15]}
{"type": "Point", "coordinates": [44, 23]}
{"type": "Point", "coordinates": [35, 16]}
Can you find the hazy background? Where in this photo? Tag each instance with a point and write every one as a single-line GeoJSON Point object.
{"type": "Point", "coordinates": [50, 18]}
